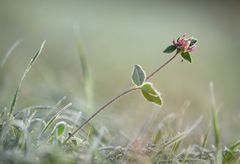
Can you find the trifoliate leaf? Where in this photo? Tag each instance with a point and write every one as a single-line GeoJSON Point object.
{"type": "Point", "coordinates": [138, 75]}
{"type": "Point", "coordinates": [151, 94]}
{"type": "Point", "coordinates": [186, 56]}
{"type": "Point", "coordinates": [170, 49]}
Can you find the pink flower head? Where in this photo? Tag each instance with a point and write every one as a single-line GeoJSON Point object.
{"type": "Point", "coordinates": [184, 44]}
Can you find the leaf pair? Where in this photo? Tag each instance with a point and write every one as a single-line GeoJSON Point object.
{"type": "Point", "coordinates": [185, 55]}
{"type": "Point", "coordinates": [148, 91]}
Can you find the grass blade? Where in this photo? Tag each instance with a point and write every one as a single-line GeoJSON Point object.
{"type": "Point", "coordinates": [33, 108]}
{"type": "Point", "coordinates": [85, 69]}
{"type": "Point", "coordinates": [182, 135]}
{"type": "Point", "coordinates": [214, 116]}
{"type": "Point", "coordinates": [41, 107]}
{"type": "Point", "coordinates": [54, 117]}
{"type": "Point", "coordinates": [86, 74]}
{"type": "Point", "coordinates": [9, 52]}
{"type": "Point", "coordinates": [34, 58]}
{"type": "Point", "coordinates": [205, 139]}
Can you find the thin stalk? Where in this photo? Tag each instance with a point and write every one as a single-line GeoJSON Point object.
{"type": "Point", "coordinates": [99, 110]}
{"type": "Point", "coordinates": [117, 97]}
{"type": "Point", "coordinates": [159, 68]}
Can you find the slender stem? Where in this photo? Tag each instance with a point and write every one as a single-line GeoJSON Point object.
{"type": "Point", "coordinates": [117, 97]}
{"type": "Point", "coordinates": [99, 110]}
{"type": "Point", "coordinates": [158, 69]}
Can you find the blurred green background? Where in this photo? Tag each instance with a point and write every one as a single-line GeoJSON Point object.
{"type": "Point", "coordinates": [114, 36]}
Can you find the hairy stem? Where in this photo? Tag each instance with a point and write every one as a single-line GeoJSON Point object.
{"type": "Point", "coordinates": [100, 109]}
{"type": "Point", "coordinates": [117, 97]}
{"type": "Point", "coordinates": [159, 68]}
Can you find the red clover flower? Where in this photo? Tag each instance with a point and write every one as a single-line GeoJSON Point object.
{"type": "Point", "coordinates": [183, 46]}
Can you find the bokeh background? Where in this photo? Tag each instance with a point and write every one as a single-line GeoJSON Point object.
{"type": "Point", "coordinates": [115, 35]}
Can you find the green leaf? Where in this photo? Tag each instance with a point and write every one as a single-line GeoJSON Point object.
{"type": "Point", "coordinates": [54, 118]}
{"type": "Point", "coordinates": [151, 94]}
{"type": "Point", "coordinates": [60, 128]}
{"type": "Point", "coordinates": [138, 75]}
{"type": "Point", "coordinates": [170, 49]}
{"type": "Point", "coordinates": [186, 56]}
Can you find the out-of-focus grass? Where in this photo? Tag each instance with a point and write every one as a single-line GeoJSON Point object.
{"type": "Point", "coordinates": [34, 136]}
{"type": "Point", "coordinates": [115, 36]}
